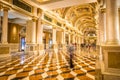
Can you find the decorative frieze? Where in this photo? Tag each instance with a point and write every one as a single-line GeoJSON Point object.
{"type": "Point", "coordinates": [22, 5]}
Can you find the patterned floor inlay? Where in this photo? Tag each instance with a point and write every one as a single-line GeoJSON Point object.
{"type": "Point", "coordinates": [48, 66]}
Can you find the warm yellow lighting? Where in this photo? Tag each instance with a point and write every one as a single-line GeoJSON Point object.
{"type": "Point", "coordinates": [14, 30]}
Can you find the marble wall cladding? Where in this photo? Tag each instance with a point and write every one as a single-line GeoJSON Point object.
{"type": "Point", "coordinates": [4, 50]}
{"type": "Point", "coordinates": [111, 60]}
{"type": "Point", "coordinates": [114, 60]}
{"type": "Point", "coordinates": [111, 77]}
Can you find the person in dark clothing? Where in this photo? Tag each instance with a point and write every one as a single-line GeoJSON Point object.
{"type": "Point", "coordinates": [71, 51]}
{"type": "Point", "coordinates": [71, 62]}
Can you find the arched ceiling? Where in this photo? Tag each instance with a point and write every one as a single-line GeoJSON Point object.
{"type": "Point", "coordinates": [79, 16]}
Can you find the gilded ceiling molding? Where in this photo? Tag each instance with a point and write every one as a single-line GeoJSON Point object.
{"type": "Point", "coordinates": [102, 3]}
{"type": "Point", "coordinates": [84, 15]}
{"type": "Point", "coordinates": [60, 11]}
{"type": "Point", "coordinates": [68, 12]}
{"type": "Point", "coordinates": [88, 29]}
{"type": "Point", "coordinates": [40, 13]}
{"type": "Point", "coordinates": [81, 18]}
{"type": "Point", "coordinates": [65, 11]}
{"type": "Point", "coordinates": [86, 23]}
{"type": "Point", "coordinates": [80, 15]}
{"type": "Point", "coordinates": [78, 10]}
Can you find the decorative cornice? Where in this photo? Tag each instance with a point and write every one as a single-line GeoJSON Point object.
{"type": "Point", "coordinates": [11, 6]}
{"type": "Point", "coordinates": [6, 8]}
{"type": "Point", "coordinates": [5, 4]}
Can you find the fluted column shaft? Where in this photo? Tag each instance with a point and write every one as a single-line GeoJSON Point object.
{"type": "Point", "coordinates": [5, 26]}
{"type": "Point", "coordinates": [112, 27]}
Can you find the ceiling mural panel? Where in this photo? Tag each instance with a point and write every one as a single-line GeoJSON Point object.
{"type": "Point", "coordinates": [80, 15]}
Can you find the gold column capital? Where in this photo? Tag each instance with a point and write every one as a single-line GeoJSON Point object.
{"type": "Point", "coordinates": [54, 27]}
{"type": "Point", "coordinates": [39, 12]}
{"type": "Point", "coordinates": [103, 10]}
{"type": "Point", "coordinates": [5, 8]}
{"type": "Point", "coordinates": [63, 30]}
{"type": "Point", "coordinates": [34, 19]}
{"type": "Point", "coordinates": [0, 6]}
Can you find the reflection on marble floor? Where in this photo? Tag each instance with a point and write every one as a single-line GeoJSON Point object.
{"type": "Point", "coordinates": [48, 66]}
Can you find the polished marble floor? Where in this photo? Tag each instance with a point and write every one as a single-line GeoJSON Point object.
{"type": "Point", "coordinates": [47, 66]}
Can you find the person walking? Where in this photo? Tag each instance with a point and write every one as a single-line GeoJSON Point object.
{"type": "Point", "coordinates": [71, 52]}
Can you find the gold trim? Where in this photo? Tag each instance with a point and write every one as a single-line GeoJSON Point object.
{"type": "Point", "coordinates": [103, 10]}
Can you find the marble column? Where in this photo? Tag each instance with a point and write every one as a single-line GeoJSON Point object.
{"type": "Point", "coordinates": [55, 47]}
{"type": "Point", "coordinates": [102, 26]}
{"type": "Point", "coordinates": [76, 39]}
{"type": "Point", "coordinates": [111, 49]}
{"type": "Point", "coordinates": [31, 36]}
{"type": "Point", "coordinates": [5, 26]}
{"type": "Point", "coordinates": [73, 38]}
{"type": "Point", "coordinates": [39, 32]}
{"type": "Point", "coordinates": [100, 40]}
{"type": "Point", "coordinates": [34, 31]}
{"type": "Point", "coordinates": [69, 38]}
{"type": "Point", "coordinates": [47, 37]}
{"type": "Point", "coordinates": [54, 36]}
{"type": "Point", "coordinates": [31, 31]}
{"type": "Point", "coordinates": [59, 39]}
{"type": "Point", "coordinates": [101, 32]}
{"type": "Point", "coordinates": [40, 36]}
{"type": "Point", "coordinates": [112, 26]}
{"type": "Point", "coordinates": [35, 11]}
{"type": "Point", "coordinates": [79, 41]}
{"type": "Point", "coordinates": [63, 37]}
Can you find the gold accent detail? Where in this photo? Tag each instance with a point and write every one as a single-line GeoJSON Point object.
{"type": "Point", "coordinates": [103, 10]}
{"type": "Point", "coordinates": [6, 8]}
{"type": "Point", "coordinates": [34, 19]}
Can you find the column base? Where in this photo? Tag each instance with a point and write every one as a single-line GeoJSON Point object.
{"type": "Point", "coordinates": [110, 77]}
{"type": "Point", "coordinates": [31, 48]}
{"type": "Point", "coordinates": [63, 46]}
{"type": "Point", "coordinates": [5, 50]}
{"type": "Point", "coordinates": [98, 75]}
{"type": "Point", "coordinates": [4, 42]}
{"type": "Point", "coordinates": [55, 48]}
{"type": "Point", "coordinates": [40, 49]}
{"type": "Point", "coordinates": [112, 43]}
{"type": "Point", "coordinates": [111, 64]}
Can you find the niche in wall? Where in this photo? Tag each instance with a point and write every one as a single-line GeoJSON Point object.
{"type": "Point", "coordinates": [13, 33]}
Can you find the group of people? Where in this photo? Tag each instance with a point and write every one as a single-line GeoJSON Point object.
{"type": "Point", "coordinates": [88, 47]}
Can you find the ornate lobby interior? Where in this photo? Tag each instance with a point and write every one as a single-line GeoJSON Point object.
{"type": "Point", "coordinates": [36, 35]}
